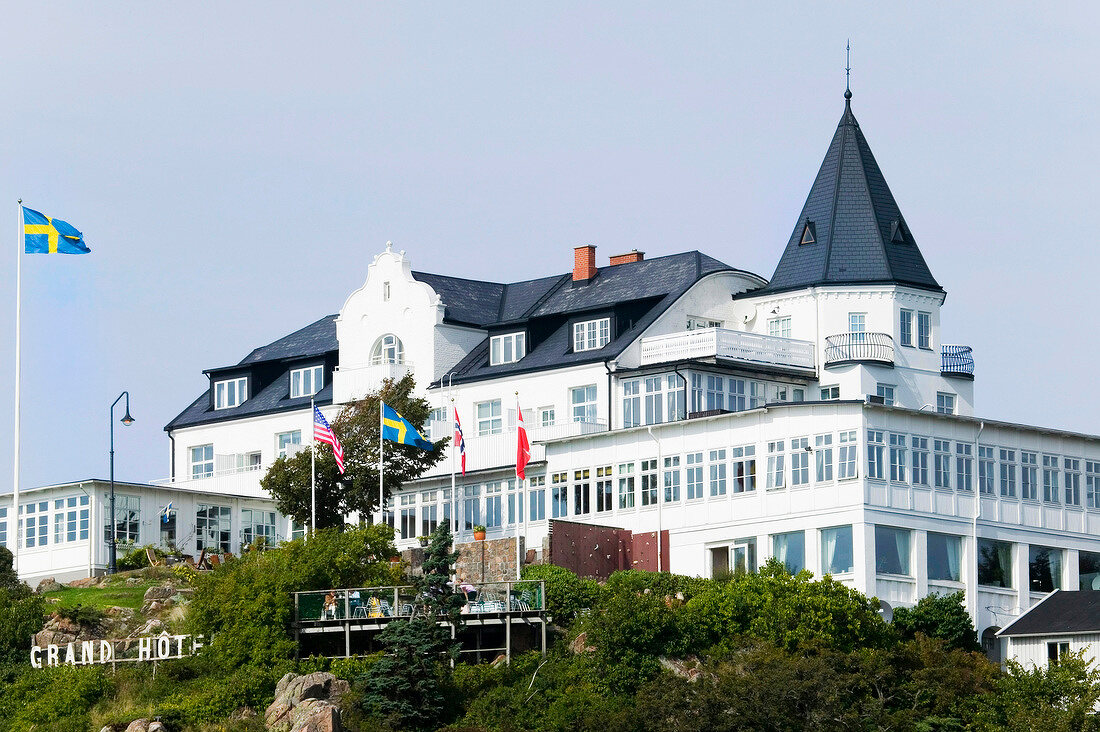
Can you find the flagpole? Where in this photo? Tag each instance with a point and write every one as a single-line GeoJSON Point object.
{"type": "Point", "coordinates": [312, 468]}
{"type": "Point", "coordinates": [381, 464]}
{"type": "Point", "coordinates": [454, 502]}
{"type": "Point", "coordinates": [519, 493]}
{"type": "Point", "coordinates": [18, 370]}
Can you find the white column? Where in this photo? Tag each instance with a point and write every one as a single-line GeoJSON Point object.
{"type": "Point", "coordinates": [1022, 576]}
{"type": "Point", "coordinates": [919, 561]}
{"type": "Point", "coordinates": [1071, 570]}
{"type": "Point", "coordinates": [863, 555]}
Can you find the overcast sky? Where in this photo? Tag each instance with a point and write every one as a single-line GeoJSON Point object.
{"type": "Point", "coordinates": [235, 169]}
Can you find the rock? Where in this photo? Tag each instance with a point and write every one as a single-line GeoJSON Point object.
{"type": "Point", "coordinates": [684, 669]}
{"type": "Point", "coordinates": [242, 713]}
{"type": "Point", "coordinates": [152, 608]}
{"type": "Point", "coordinates": [157, 727]}
{"type": "Point", "coordinates": [138, 725]}
{"type": "Point", "coordinates": [85, 582]}
{"type": "Point", "coordinates": [160, 593]}
{"type": "Point", "coordinates": [153, 627]}
{"type": "Point", "coordinates": [132, 581]}
{"type": "Point", "coordinates": [49, 585]}
{"type": "Point", "coordinates": [580, 644]}
{"type": "Point", "coordinates": [306, 703]}
{"type": "Point", "coordinates": [108, 728]}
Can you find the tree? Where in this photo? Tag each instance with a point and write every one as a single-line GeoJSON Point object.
{"type": "Point", "coordinates": [356, 491]}
{"type": "Point", "coordinates": [1059, 697]}
{"type": "Point", "coordinates": [408, 685]}
{"type": "Point", "coordinates": [8, 577]}
{"type": "Point", "coordinates": [939, 616]}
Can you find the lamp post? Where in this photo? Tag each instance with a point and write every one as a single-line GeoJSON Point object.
{"type": "Point", "coordinates": [127, 420]}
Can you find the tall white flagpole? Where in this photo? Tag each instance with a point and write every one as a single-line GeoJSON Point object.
{"type": "Point", "coordinates": [381, 464]}
{"type": "Point", "coordinates": [519, 491]}
{"type": "Point", "coordinates": [454, 500]}
{"type": "Point", "coordinates": [15, 520]}
{"type": "Point", "coordinates": [312, 468]}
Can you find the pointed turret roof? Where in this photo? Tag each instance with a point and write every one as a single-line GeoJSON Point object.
{"type": "Point", "coordinates": [850, 230]}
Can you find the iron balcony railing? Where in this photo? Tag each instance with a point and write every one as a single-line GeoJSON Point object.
{"type": "Point", "coordinates": [384, 603]}
{"type": "Point", "coordinates": [858, 347]}
{"type": "Point", "coordinates": [957, 361]}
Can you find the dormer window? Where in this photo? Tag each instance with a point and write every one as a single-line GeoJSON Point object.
{"type": "Point", "coordinates": [897, 232]}
{"type": "Point", "coordinates": [387, 349]}
{"type": "Point", "coordinates": [590, 335]}
{"type": "Point", "coordinates": [809, 233]}
{"type": "Point", "coordinates": [507, 348]}
{"type": "Point", "coordinates": [230, 393]}
{"type": "Point", "coordinates": [306, 382]}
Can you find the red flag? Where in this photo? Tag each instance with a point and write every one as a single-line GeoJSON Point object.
{"type": "Point", "coordinates": [459, 442]}
{"type": "Point", "coordinates": [523, 447]}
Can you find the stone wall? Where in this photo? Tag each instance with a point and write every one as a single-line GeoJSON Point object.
{"type": "Point", "coordinates": [492, 560]}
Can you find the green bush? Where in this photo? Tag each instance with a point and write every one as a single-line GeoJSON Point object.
{"type": "Point", "coordinates": [56, 699]}
{"type": "Point", "coordinates": [566, 593]}
{"type": "Point", "coordinates": [21, 616]}
{"type": "Point", "coordinates": [82, 614]}
{"type": "Point", "coordinates": [939, 616]}
{"type": "Point", "coordinates": [659, 583]}
{"type": "Point", "coordinates": [630, 631]}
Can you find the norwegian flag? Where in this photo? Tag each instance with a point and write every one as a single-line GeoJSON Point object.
{"type": "Point", "coordinates": [459, 442]}
{"type": "Point", "coordinates": [323, 433]}
{"type": "Point", "coordinates": [523, 447]}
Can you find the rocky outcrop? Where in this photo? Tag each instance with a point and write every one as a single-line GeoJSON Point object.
{"type": "Point", "coordinates": [61, 631]}
{"type": "Point", "coordinates": [306, 704]}
{"type": "Point", "coordinates": [144, 725]}
{"type": "Point", "coordinates": [49, 585]}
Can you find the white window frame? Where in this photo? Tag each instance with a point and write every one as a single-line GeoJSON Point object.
{"type": "Point", "coordinates": [905, 327]}
{"type": "Point", "coordinates": [207, 460]}
{"type": "Point", "coordinates": [388, 349]}
{"type": "Point", "coordinates": [857, 327]}
{"type": "Point", "coordinates": [828, 394]}
{"type": "Point", "coordinates": [946, 402]}
{"type": "Point", "coordinates": [780, 327]}
{"type": "Point", "coordinates": [492, 421]}
{"type": "Point", "coordinates": [223, 390]}
{"type": "Point", "coordinates": [924, 330]}
{"type": "Point", "coordinates": [591, 335]}
{"type": "Point", "coordinates": [587, 405]}
{"type": "Point", "coordinates": [293, 437]}
{"type": "Point", "coordinates": [694, 322]}
{"type": "Point", "coordinates": [306, 381]}
{"type": "Point", "coordinates": [887, 392]}
{"type": "Point", "coordinates": [507, 348]}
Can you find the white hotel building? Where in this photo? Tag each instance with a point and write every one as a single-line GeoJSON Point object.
{"type": "Point", "coordinates": [817, 416]}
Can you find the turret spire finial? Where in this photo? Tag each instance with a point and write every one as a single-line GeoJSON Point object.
{"type": "Point", "coordinates": [848, 70]}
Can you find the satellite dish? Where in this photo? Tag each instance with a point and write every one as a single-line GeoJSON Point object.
{"type": "Point", "coordinates": [750, 317]}
{"type": "Point", "coordinates": [885, 610]}
{"type": "Point", "coordinates": [1096, 582]}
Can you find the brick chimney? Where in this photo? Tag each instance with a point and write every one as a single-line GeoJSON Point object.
{"type": "Point", "coordinates": [584, 263]}
{"type": "Point", "coordinates": [632, 256]}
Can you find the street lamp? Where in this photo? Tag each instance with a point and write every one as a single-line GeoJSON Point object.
{"type": "Point", "coordinates": [127, 420]}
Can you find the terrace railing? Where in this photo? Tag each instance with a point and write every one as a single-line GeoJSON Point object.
{"type": "Point", "coordinates": [730, 345]}
{"type": "Point", "coordinates": [859, 347]}
{"type": "Point", "coordinates": [957, 361]}
{"type": "Point", "coordinates": [386, 603]}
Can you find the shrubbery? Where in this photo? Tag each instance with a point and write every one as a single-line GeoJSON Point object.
{"type": "Point", "coordinates": [567, 595]}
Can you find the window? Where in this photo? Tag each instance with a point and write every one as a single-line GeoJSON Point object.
{"type": "Point", "coordinates": [604, 492]}
{"type": "Point", "coordinates": [672, 479]}
{"type": "Point", "coordinates": [42, 535]}
{"type": "Point", "coordinates": [471, 507]}
{"type": "Point", "coordinates": [829, 393]}
{"type": "Point", "coordinates": [697, 323]}
{"type": "Point", "coordinates": [823, 448]}
{"type": "Point", "coordinates": [536, 504]}
{"type": "Point", "coordinates": [886, 391]}
{"type": "Point", "coordinates": [257, 525]}
{"type": "Point", "coordinates": [857, 327]}
{"type": "Point", "coordinates": [515, 500]}
{"type": "Point", "coordinates": [875, 450]}
{"type": "Point", "coordinates": [985, 470]}
{"type": "Point", "coordinates": [3, 527]}
{"type": "Point", "coordinates": [943, 557]}
{"type": "Point", "coordinates": [1088, 569]}
{"type": "Point", "coordinates": [626, 485]}
{"type": "Point", "coordinates": [744, 468]}
{"type": "Point", "coordinates": [202, 461]}
{"type": "Point", "coordinates": [1029, 476]}
{"type": "Point", "coordinates": [1073, 481]}
{"type": "Point", "coordinates": [1008, 473]}
{"type": "Point", "coordinates": [306, 382]}
{"type": "Point", "coordinates": [559, 495]}
{"type": "Point", "coordinates": [846, 465]}
{"type": "Point", "coordinates": [696, 393]}
{"type": "Point", "coordinates": [649, 482]}
{"type": "Point", "coordinates": [654, 401]}
{"type": "Point", "coordinates": [920, 460]}
{"type": "Point", "coordinates": [632, 404]}
{"type": "Point", "coordinates": [836, 550]}
{"type": "Point", "coordinates": [493, 504]}
{"type": "Point", "coordinates": [1044, 568]}
{"type": "Point", "coordinates": [693, 471]}
{"type": "Point", "coordinates": [546, 416]}
{"type": "Point", "coordinates": [716, 394]}
{"type": "Point", "coordinates": [798, 394]}
{"type": "Point", "coordinates": [387, 349]}
{"type": "Point", "coordinates": [891, 550]}
{"type": "Point", "coordinates": [212, 528]}
{"type": "Point", "coordinates": [744, 556]}
{"type": "Point", "coordinates": [230, 393]}
{"type": "Point", "coordinates": [945, 403]}
{"type": "Point", "coordinates": [776, 467]}
{"type": "Point", "coordinates": [1056, 650]}
{"type": "Point", "coordinates": [507, 348]}
{"type": "Point", "coordinates": [1092, 484]}
{"type": "Point", "coordinates": [941, 463]}
{"type": "Point", "coordinates": [964, 466]}
{"type": "Point", "coordinates": [790, 548]}
{"type": "Point", "coordinates": [408, 516]}
{"type": "Point", "coordinates": [581, 497]}
{"type": "Point", "coordinates": [438, 425]}
{"type": "Point", "coordinates": [780, 327]}
{"type": "Point", "coordinates": [756, 394]}
{"type": "Point", "coordinates": [448, 506]}
{"type": "Point", "coordinates": [800, 461]}
{"type": "Point", "coordinates": [488, 418]}
{"type": "Point", "coordinates": [591, 334]}
{"type": "Point", "coordinates": [674, 393]}
{"type": "Point", "coordinates": [287, 443]}
{"type": "Point", "coordinates": [994, 563]}
{"type": "Point", "coordinates": [905, 328]}
{"type": "Point", "coordinates": [737, 395]}
{"type": "Point", "coordinates": [429, 512]}
{"type": "Point", "coordinates": [583, 399]}
{"type": "Point", "coordinates": [385, 292]}
{"type": "Point", "coordinates": [1050, 478]}
{"type": "Point", "coordinates": [924, 330]}
{"type": "Point", "coordinates": [717, 473]}
{"type": "Point", "coordinates": [897, 458]}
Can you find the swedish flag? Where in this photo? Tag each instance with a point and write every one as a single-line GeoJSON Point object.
{"type": "Point", "coordinates": [396, 428]}
{"type": "Point", "coordinates": [45, 235]}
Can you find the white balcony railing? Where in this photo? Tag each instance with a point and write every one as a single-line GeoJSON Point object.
{"type": "Point", "coordinates": [499, 450]}
{"type": "Point", "coordinates": [349, 384]}
{"type": "Point", "coordinates": [235, 481]}
{"type": "Point", "coordinates": [732, 345]}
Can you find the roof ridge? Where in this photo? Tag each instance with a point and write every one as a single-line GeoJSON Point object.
{"type": "Point", "coordinates": [836, 188]}
{"type": "Point", "coordinates": [545, 296]}
{"type": "Point", "coordinates": [871, 199]}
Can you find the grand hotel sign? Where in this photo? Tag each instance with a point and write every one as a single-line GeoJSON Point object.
{"type": "Point", "coordinates": [161, 647]}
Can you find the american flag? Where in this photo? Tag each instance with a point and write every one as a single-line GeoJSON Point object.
{"type": "Point", "coordinates": [459, 442]}
{"type": "Point", "coordinates": [323, 433]}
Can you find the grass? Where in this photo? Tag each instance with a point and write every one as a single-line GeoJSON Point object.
{"type": "Point", "coordinates": [101, 598]}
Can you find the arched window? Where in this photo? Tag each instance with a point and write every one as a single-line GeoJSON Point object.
{"type": "Point", "coordinates": [388, 349]}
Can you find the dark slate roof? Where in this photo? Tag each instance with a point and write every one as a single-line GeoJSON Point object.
{"type": "Point", "coordinates": [1062, 612]}
{"type": "Point", "coordinates": [860, 234]}
{"type": "Point", "coordinates": [316, 339]}
{"type": "Point", "coordinates": [467, 302]}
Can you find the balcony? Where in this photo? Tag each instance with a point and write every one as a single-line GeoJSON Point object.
{"type": "Point", "coordinates": [234, 481]}
{"type": "Point", "coordinates": [499, 450]}
{"type": "Point", "coordinates": [957, 361]}
{"type": "Point", "coordinates": [349, 384]}
{"type": "Point", "coordinates": [845, 348]}
{"type": "Point", "coordinates": [729, 345]}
